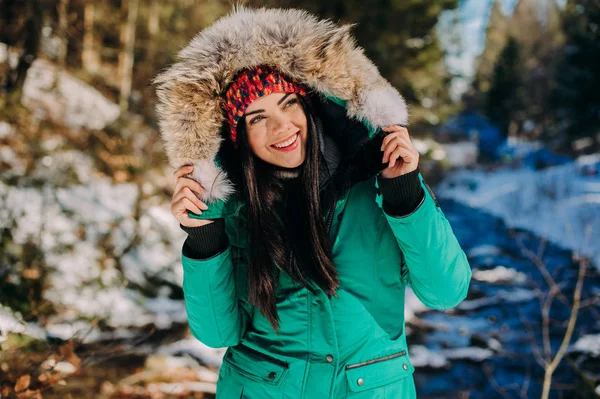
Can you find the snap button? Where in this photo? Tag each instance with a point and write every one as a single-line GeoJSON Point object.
{"type": "Point", "coordinates": [272, 375]}
{"type": "Point", "coordinates": [340, 216]}
{"type": "Point", "coordinates": [329, 358]}
{"type": "Point", "coordinates": [360, 382]}
{"type": "Point", "coordinates": [405, 366]}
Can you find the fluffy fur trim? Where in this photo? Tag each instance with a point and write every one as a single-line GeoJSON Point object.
{"type": "Point", "coordinates": [322, 55]}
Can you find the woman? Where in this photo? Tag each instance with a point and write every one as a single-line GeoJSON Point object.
{"type": "Point", "coordinates": [306, 213]}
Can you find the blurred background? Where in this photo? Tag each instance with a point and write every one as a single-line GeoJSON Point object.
{"type": "Point", "coordinates": [505, 111]}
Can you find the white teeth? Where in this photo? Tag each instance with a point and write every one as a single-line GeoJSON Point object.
{"type": "Point", "coordinates": [286, 143]}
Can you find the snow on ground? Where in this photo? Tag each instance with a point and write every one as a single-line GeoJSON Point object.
{"type": "Point", "coordinates": [83, 231]}
{"type": "Point", "coordinates": [514, 295]}
{"type": "Point", "coordinates": [195, 349]}
{"type": "Point", "coordinates": [58, 95]}
{"type": "Point", "coordinates": [500, 274]}
{"type": "Point", "coordinates": [560, 203]}
{"type": "Point", "coordinates": [421, 356]}
{"type": "Point", "coordinates": [11, 322]}
{"type": "Point", "coordinates": [587, 344]}
{"type": "Point", "coordinates": [412, 305]}
{"type": "Point", "coordinates": [461, 154]}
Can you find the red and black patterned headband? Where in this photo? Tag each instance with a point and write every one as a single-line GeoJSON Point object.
{"type": "Point", "coordinates": [252, 84]}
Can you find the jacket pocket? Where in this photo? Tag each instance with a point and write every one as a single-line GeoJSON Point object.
{"type": "Point", "coordinates": [256, 365]}
{"type": "Point", "coordinates": [379, 371]}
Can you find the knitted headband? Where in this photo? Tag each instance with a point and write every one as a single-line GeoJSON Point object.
{"type": "Point", "coordinates": [252, 84]}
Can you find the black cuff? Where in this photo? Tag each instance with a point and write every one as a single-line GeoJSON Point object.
{"type": "Point", "coordinates": [402, 195]}
{"type": "Point", "coordinates": [206, 241]}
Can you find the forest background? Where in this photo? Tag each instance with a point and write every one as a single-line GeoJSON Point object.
{"type": "Point", "coordinates": [89, 255]}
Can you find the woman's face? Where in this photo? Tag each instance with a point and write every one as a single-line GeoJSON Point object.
{"type": "Point", "coordinates": [277, 129]}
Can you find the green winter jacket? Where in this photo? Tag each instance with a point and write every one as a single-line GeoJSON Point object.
{"type": "Point", "coordinates": [352, 346]}
{"type": "Point", "coordinates": [349, 346]}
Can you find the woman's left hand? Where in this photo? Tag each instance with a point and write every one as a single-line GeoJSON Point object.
{"type": "Point", "coordinates": [397, 145]}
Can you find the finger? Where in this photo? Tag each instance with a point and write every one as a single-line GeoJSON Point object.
{"type": "Point", "coordinates": [387, 139]}
{"type": "Point", "coordinates": [394, 128]}
{"type": "Point", "coordinates": [391, 147]}
{"type": "Point", "coordinates": [394, 157]}
{"type": "Point", "coordinates": [406, 155]}
{"type": "Point", "coordinates": [397, 129]}
{"type": "Point", "coordinates": [193, 222]}
{"type": "Point", "coordinates": [191, 184]}
{"type": "Point", "coordinates": [180, 209]}
{"type": "Point", "coordinates": [398, 142]}
{"type": "Point", "coordinates": [398, 132]}
{"type": "Point", "coordinates": [187, 193]}
{"type": "Point", "coordinates": [184, 170]}
{"type": "Point", "coordinates": [190, 206]}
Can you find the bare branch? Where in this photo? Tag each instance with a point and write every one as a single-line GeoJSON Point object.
{"type": "Point", "coordinates": [568, 334]}
{"type": "Point", "coordinates": [537, 261]}
{"type": "Point", "coordinates": [490, 376]}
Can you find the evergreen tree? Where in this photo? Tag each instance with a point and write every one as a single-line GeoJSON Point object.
{"type": "Point", "coordinates": [399, 36]}
{"type": "Point", "coordinates": [577, 95]}
{"type": "Point", "coordinates": [525, 24]}
{"type": "Point", "coordinates": [495, 40]}
{"type": "Point", "coordinates": [505, 100]}
{"type": "Point", "coordinates": [535, 28]}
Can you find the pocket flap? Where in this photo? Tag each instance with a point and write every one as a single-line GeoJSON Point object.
{"type": "Point", "coordinates": [379, 371]}
{"type": "Point", "coordinates": [255, 365]}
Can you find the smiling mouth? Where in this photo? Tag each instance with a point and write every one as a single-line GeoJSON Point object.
{"type": "Point", "coordinates": [287, 142]}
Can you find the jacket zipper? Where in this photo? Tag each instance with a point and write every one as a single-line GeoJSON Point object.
{"type": "Point", "coordinates": [331, 213]}
{"type": "Point", "coordinates": [372, 361]}
{"type": "Point", "coordinates": [261, 355]}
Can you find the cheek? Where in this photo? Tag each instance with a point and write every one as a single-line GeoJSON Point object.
{"type": "Point", "coordinates": [299, 119]}
{"type": "Point", "coordinates": [256, 142]}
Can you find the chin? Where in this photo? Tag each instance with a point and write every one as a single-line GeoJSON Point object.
{"type": "Point", "coordinates": [290, 165]}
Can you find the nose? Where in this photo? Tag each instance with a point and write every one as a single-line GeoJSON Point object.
{"type": "Point", "coordinates": [281, 125]}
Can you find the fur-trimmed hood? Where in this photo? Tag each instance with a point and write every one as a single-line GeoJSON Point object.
{"type": "Point", "coordinates": [318, 53]}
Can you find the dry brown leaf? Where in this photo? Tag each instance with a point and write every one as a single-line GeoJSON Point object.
{"type": "Point", "coordinates": [66, 350]}
{"type": "Point", "coordinates": [74, 360]}
{"type": "Point", "coordinates": [23, 383]}
{"type": "Point", "coordinates": [29, 394]}
{"type": "Point", "coordinates": [31, 273]}
{"type": "Point", "coordinates": [43, 377]}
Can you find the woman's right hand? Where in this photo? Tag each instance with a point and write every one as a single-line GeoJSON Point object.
{"type": "Point", "coordinates": [185, 200]}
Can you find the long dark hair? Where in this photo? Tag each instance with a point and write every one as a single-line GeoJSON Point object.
{"type": "Point", "coordinates": [286, 227]}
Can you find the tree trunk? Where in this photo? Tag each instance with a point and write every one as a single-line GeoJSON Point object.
{"type": "Point", "coordinates": [127, 53]}
{"type": "Point", "coordinates": [31, 45]}
{"type": "Point", "coordinates": [63, 6]}
{"type": "Point", "coordinates": [89, 56]}
{"type": "Point", "coordinates": [153, 27]}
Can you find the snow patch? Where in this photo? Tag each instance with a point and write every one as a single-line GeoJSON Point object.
{"type": "Point", "coordinates": [62, 97]}
{"type": "Point", "coordinates": [502, 296]}
{"type": "Point", "coordinates": [196, 349]}
{"type": "Point", "coordinates": [587, 344]}
{"type": "Point", "coordinates": [469, 353]}
{"type": "Point", "coordinates": [500, 274]}
{"type": "Point", "coordinates": [420, 356]}
{"type": "Point", "coordinates": [559, 203]}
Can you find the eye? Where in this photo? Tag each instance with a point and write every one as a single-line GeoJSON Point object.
{"type": "Point", "coordinates": [291, 102]}
{"type": "Point", "coordinates": [256, 119]}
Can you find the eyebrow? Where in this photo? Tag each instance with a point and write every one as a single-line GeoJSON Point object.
{"type": "Point", "coordinates": [256, 111]}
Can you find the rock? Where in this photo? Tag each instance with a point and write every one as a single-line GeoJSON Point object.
{"type": "Point", "coordinates": [61, 97]}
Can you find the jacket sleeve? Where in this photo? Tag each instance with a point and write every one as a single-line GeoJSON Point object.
{"type": "Point", "coordinates": [438, 270]}
{"type": "Point", "coordinates": [216, 316]}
